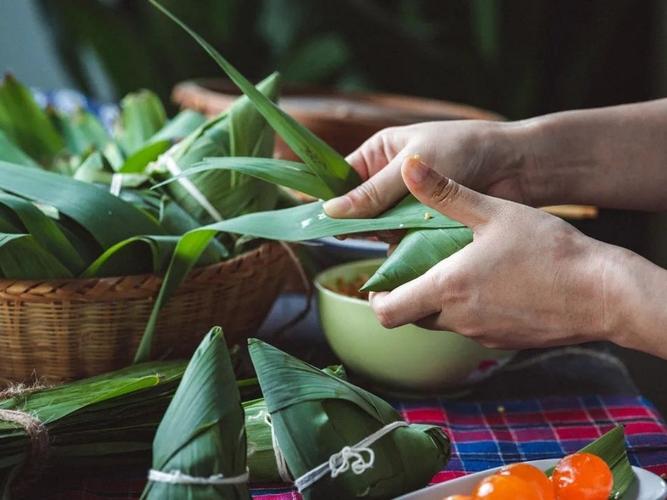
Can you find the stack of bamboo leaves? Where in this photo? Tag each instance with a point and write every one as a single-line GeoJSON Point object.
{"type": "Point", "coordinates": [110, 419]}
{"type": "Point", "coordinates": [76, 199]}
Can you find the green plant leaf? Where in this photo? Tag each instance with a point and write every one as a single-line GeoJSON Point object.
{"type": "Point", "coordinates": [45, 232]}
{"type": "Point", "coordinates": [107, 218]}
{"type": "Point", "coordinates": [109, 419]}
{"type": "Point", "coordinates": [25, 123]}
{"type": "Point", "coordinates": [324, 161]}
{"type": "Point", "coordinates": [285, 173]}
{"type": "Point", "coordinates": [136, 255]}
{"type": "Point", "coordinates": [136, 163]}
{"type": "Point", "coordinates": [416, 253]}
{"type": "Point", "coordinates": [142, 116]}
{"type": "Point", "coordinates": [179, 127]}
{"type": "Point", "coordinates": [81, 130]}
{"type": "Point", "coordinates": [187, 252]}
{"type": "Point", "coordinates": [11, 153]}
{"type": "Point", "coordinates": [308, 222]}
{"type": "Point", "coordinates": [22, 257]}
{"type": "Point", "coordinates": [202, 433]}
{"type": "Point", "coordinates": [304, 222]}
{"type": "Point", "coordinates": [240, 130]}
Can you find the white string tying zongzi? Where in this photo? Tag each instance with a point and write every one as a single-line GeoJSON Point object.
{"type": "Point", "coordinates": [281, 462]}
{"type": "Point", "coordinates": [358, 458]}
{"type": "Point", "coordinates": [178, 477]}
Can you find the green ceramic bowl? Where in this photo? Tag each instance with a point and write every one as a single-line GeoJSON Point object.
{"type": "Point", "coordinates": [404, 359]}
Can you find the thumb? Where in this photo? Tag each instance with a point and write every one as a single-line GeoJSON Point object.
{"type": "Point", "coordinates": [447, 196]}
{"type": "Point", "coordinates": [371, 198]}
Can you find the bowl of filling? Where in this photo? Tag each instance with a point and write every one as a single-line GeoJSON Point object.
{"type": "Point", "coordinates": [407, 359]}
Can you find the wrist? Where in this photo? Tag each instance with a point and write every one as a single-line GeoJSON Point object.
{"type": "Point", "coordinates": [635, 316]}
{"type": "Point", "coordinates": [559, 158]}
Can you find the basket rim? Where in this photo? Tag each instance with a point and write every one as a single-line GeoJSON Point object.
{"type": "Point", "coordinates": [122, 285]}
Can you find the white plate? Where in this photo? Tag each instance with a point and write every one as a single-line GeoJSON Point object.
{"type": "Point", "coordinates": [647, 487]}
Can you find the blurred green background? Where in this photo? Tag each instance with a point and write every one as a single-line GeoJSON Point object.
{"type": "Point", "coordinates": [516, 57]}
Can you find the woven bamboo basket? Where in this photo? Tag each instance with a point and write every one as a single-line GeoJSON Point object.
{"type": "Point", "coordinates": [66, 329]}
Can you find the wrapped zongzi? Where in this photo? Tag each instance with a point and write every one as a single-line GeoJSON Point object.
{"type": "Point", "coordinates": [200, 446]}
{"type": "Point", "coordinates": [338, 440]}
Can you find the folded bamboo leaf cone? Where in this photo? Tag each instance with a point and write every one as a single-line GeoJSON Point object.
{"type": "Point", "coordinates": [316, 415]}
{"type": "Point", "coordinates": [199, 451]}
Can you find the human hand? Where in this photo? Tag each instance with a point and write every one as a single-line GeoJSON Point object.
{"type": "Point", "coordinates": [486, 156]}
{"type": "Point", "coordinates": [528, 279]}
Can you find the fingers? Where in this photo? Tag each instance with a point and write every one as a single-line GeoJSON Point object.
{"type": "Point", "coordinates": [446, 196]}
{"type": "Point", "coordinates": [375, 153]}
{"type": "Point", "coordinates": [372, 197]}
{"type": "Point", "coordinates": [407, 303]}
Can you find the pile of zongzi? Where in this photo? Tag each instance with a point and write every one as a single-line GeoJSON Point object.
{"type": "Point", "coordinates": [312, 428]}
{"type": "Point", "coordinates": [309, 419]}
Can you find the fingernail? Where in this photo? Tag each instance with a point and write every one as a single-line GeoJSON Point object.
{"type": "Point", "coordinates": [416, 169]}
{"type": "Point", "coordinates": [337, 207]}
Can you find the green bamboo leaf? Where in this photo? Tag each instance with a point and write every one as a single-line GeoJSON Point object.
{"type": "Point", "coordinates": [11, 153]}
{"type": "Point", "coordinates": [177, 221]}
{"type": "Point", "coordinates": [114, 155]}
{"type": "Point", "coordinates": [112, 219]}
{"type": "Point", "coordinates": [45, 232]}
{"type": "Point", "coordinates": [285, 173]}
{"type": "Point", "coordinates": [202, 433]}
{"type": "Point", "coordinates": [187, 252]}
{"type": "Point", "coordinates": [25, 123]}
{"type": "Point", "coordinates": [96, 170]}
{"type": "Point", "coordinates": [136, 255]}
{"type": "Point", "coordinates": [261, 455]}
{"type": "Point", "coordinates": [416, 253]}
{"type": "Point", "coordinates": [324, 161]}
{"type": "Point", "coordinates": [142, 116]}
{"type": "Point", "coordinates": [22, 257]}
{"type": "Point", "coordinates": [249, 132]}
{"type": "Point", "coordinates": [315, 415]}
{"type": "Point", "coordinates": [241, 129]}
{"type": "Point", "coordinates": [309, 221]}
{"type": "Point", "coordinates": [81, 130]}
{"type": "Point", "coordinates": [110, 419]}
{"type": "Point", "coordinates": [300, 223]}
{"type": "Point", "coordinates": [179, 127]}
{"type": "Point", "coordinates": [136, 163]}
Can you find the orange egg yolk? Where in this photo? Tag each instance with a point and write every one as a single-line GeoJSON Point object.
{"type": "Point", "coordinates": [582, 476]}
{"type": "Point", "coordinates": [533, 476]}
{"type": "Point", "coordinates": [499, 487]}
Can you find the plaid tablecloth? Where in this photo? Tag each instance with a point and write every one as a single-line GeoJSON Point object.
{"type": "Point", "coordinates": [484, 435]}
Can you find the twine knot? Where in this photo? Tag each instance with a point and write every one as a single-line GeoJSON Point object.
{"type": "Point", "coordinates": [351, 458]}
{"type": "Point", "coordinates": [358, 458]}
{"type": "Point", "coordinates": [39, 446]}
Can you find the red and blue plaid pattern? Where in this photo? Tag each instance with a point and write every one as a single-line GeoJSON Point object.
{"type": "Point", "coordinates": [484, 435]}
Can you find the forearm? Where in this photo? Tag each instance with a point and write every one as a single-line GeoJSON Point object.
{"type": "Point", "coordinates": [635, 303]}
{"type": "Point", "coordinates": [611, 157]}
